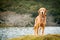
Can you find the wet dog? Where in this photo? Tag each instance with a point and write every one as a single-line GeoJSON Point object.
{"type": "Point", "coordinates": [40, 21]}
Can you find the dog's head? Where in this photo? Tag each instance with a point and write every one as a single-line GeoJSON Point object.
{"type": "Point", "coordinates": [42, 11]}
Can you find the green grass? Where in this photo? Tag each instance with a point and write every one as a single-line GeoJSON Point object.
{"type": "Point", "coordinates": [45, 37]}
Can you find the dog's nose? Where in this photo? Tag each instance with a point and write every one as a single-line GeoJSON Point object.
{"type": "Point", "coordinates": [42, 13]}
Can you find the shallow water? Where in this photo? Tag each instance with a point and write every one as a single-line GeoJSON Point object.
{"type": "Point", "coordinates": [11, 32]}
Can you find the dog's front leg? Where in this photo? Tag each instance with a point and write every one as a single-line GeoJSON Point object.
{"type": "Point", "coordinates": [42, 30]}
{"type": "Point", "coordinates": [36, 30]}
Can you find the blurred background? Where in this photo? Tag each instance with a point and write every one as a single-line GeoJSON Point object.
{"type": "Point", "coordinates": [17, 17]}
{"type": "Point", "coordinates": [22, 13]}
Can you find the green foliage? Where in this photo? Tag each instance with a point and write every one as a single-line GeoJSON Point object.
{"type": "Point", "coordinates": [21, 6]}
{"type": "Point", "coordinates": [34, 14]}
{"type": "Point", "coordinates": [56, 16]}
{"type": "Point", "coordinates": [31, 7]}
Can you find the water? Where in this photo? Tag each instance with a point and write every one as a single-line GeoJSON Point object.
{"type": "Point", "coordinates": [12, 32]}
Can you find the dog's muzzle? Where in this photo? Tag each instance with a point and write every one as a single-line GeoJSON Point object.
{"type": "Point", "coordinates": [42, 13]}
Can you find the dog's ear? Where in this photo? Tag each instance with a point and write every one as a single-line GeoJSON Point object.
{"type": "Point", "coordinates": [38, 11]}
{"type": "Point", "coordinates": [45, 10]}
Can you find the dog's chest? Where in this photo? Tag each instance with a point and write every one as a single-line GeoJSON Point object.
{"type": "Point", "coordinates": [41, 19]}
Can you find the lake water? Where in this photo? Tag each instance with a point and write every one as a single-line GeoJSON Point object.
{"type": "Point", "coordinates": [12, 32]}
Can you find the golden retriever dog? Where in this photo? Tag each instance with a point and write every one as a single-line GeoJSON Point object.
{"type": "Point", "coordinates": [40, 21]}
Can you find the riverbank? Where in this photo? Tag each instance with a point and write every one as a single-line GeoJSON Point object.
{"type": "Point", "coordinates": [45, 37]}
{"type": "Point", "coordinates": [13, 32]}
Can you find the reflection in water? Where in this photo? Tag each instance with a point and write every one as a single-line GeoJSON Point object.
{"type": "Point", "coordinates": [11, 32]}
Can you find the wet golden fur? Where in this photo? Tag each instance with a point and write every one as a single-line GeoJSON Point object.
{"type": "Point", "coordinates": [40, 21]}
